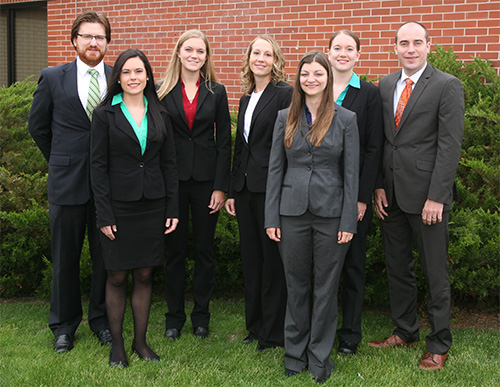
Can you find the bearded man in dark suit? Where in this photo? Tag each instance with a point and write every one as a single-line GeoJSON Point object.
{"type": "Point", "coordinates": [423, 112]}
{"type": "Point", "coordinates": [59, 122]}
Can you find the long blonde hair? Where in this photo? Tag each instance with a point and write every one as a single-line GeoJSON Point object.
{"type": "Point", "coordinates": [174, 67]}
{"type": "Point", "coordinates": [326, 109]}
{"type": "Point", "coordinates": [278, 72]}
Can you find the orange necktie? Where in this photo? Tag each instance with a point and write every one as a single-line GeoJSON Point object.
{"type": "Point", "coordinates": [405, 96]}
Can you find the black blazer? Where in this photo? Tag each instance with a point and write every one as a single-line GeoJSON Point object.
{"type": "Point", "coordinates": [60, 127]}
{"type": "Point", "coordinates": [367, 105]}
{"type": "Point", "coordinates": [251, 160]}
{"type": "Point", "coordinates": [203, 153]}
{"type": "Point", "coordinates": [120, 172]}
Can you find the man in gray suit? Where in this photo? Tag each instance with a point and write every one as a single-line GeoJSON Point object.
{"type": "Point", "coordinates": [59, 122]}
{"type": "Point", "coordinates": [423, 122]}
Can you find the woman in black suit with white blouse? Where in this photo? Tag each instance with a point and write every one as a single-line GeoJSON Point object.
{"type": "Point", "coordinates": [363, 98]}
{"type": "Point", "coordinates": [266, 92]}
{"type": "Point", "coordinates": [134, 181]}
{"type": "Point", "coordinates": [199, 111]}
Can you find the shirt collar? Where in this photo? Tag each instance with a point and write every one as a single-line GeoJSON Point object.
{"type": "Point", "coordinates": [354, 81]}
{"type": "Point", "coordinates": [83, 68]}
{"type": "Point", "coordinates": [415, 77]}
{"type": "Point", "coordinates": [118, 98]}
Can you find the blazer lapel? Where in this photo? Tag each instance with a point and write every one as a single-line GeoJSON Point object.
{"type": "Point", "coordinates": [241, 118]}
{"type": "Point", "coordinates": [177, 97]}
{"type": "Point", "coordinates": [350, 97]}
{"type": "Point", "coordinates": [69, 83]}
{"type": "Point", "coordinates": [415, 95]}
{"type": "Point", "coordinates": [265, 98]}
{"type": "Point", "coordinates": [304, 129]}
{"type": "Point", "coordinates": [122, 123]}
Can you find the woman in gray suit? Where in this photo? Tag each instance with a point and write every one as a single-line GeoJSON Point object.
{"type": "Point", "coordinates": [311, 210]}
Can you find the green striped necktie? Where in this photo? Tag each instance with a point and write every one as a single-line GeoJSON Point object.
{"type": "Point", "coordinates": [94, 97]}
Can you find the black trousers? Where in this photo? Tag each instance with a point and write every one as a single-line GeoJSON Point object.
{"type": "Point", "coordinates": [399, 231]}
{"type": "Point", "coordinates": [68, 225]}
{"type": "Point", "coordinates": [194, 196]}
{"type": "Point", "coordinates": [263, 276]}
{"type": "Point", "coordinates": [353, 282]}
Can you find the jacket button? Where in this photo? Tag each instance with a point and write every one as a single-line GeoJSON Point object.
{"type": "Point", "coordinates": [309, 168]}
{"type": "Point", "coordinates": [309, 153]}
{"type": "Point", "coordinates": [394, 147]}
{"type": "Point", "coordinates": [141, 165]}
{"type": "Point", "coordinates": [391, 168]}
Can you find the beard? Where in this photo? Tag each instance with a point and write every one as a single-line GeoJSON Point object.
{"type": "Point", "coordinates": [91, 55]}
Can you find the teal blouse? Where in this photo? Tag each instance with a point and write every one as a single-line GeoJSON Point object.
{"type": "Point", "coordinates": [140, 131]}
{"type": "Point", "coordinates": [354, 82]}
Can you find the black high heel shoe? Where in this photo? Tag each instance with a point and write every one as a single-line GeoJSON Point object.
{"type": "Point", "coordinates": [117, 364]}
{"type": "Point", "coordinates": [152, 359]}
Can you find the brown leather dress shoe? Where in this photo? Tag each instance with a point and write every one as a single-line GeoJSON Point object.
{"type": "Point", "coordinates": [391, 342]}
{"type": "Point", "coordinates": [433, 361]}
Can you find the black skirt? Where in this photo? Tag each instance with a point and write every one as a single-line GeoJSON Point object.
{"type": "Point", "coordinates": [139, 239]}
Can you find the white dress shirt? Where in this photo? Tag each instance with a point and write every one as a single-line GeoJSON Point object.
{"type": "Point", "coordinates": [83, 80]}
{"type": "Point", "coordinates": [402, 84]}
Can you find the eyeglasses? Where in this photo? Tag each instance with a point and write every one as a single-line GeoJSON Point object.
{"type": "Point", "coordinates": [88, 37]}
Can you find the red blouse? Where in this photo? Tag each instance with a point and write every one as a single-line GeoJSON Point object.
{"type": "Point", "coordinates": [190, 107]}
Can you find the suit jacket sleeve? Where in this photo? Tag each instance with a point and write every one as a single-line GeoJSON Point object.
{"type": "Point", "coordinates": [169, 170]}
{"type": "Point", "coordinates": [223, 138]}
{"type": "Point", "coordinates": [374, 142]}
{"type": "Point", "coordinates": [40, 117]}
{"type": "Point", "coordinates": [99, 166]}
{"type": "Point", "coordinates": [348, 219]}
{"type": "Point", "coordinates": [277, 168]}
{"type": "Point", "coordinates": [450, 135]}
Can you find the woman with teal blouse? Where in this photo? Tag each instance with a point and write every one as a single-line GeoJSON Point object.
{"type": "Point", "coordinates": [134, 180]}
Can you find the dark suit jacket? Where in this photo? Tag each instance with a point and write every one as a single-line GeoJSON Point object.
{"type": "Point", "coordinates": [120, 172]}
{"type": "Point", "coordinates": [251, 160]}
{"type": "Point", "coordinates": [367, 105]}
{"type": "Point", "coordinates": [200, 155]}
{"type": "Point", "coordinates": [61, 129]}
{"type": "Point", "coordinates": [421, 158]}
{"type": "Point", "coordinates": [323, 180]}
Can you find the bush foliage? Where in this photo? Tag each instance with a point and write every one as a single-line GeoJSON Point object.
{"type": "Point", "coordinates": [25, 267]}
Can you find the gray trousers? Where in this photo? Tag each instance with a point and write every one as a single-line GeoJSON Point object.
{"type": "Point", "coordinates": [313, 261]}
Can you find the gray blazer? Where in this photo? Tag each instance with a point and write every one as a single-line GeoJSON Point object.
{"type": "Point", "coordinates": [421, 158]}
{"type": "Point", "coordinates": [323, 180]}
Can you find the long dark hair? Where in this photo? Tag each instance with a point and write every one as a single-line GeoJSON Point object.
{"type": "Point", "coordinates": [326, 109]}
{"type": "Point", "coordinates": [154, 105]}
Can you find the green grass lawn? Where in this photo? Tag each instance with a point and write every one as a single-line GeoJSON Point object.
{"type": "Point", "coordinates": [27, 357]}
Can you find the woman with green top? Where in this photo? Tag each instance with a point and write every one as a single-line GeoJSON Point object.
{"type": "Point", "coordinates": [134, 179]}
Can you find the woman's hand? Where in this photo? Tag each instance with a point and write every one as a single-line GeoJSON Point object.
{"type": "Point", "coordinates": [171, 225]}
{"type": "Point", "coordinates": [108, 231]}
{"type": "Point", "coordinates": [344, 237]}
{"type": "Point", "coordinates": [274, 233]}
{"type": "Point", "coordinates": [361, 211]}
{"type": "Point", "coordinates": [216, 201]}
{"type": "Point", "coordinates": [230, 207]}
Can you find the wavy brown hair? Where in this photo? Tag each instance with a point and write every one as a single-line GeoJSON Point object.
{"type": "Point", "coordinates": [278, 72]}
{"type": "Point", "coordinates": [174, 67]}
{"type": "Point", "coordinates": [326, 111]}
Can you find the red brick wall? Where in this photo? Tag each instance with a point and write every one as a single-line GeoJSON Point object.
{"type": "Point", "coordinates": [472, 27]}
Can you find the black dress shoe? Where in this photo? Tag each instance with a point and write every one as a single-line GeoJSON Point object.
{"type": "Point", "coordinates": [172, 334]}
{"type": "Point", "coordinates": [201, 332]}
{"type": "Point", "coordinates": [63, 343]}
{"type": "Point", "coordinates": [290, 373]}
{"type": "Point", "coordinates": [153, 358]}
{"type": "Point", "coordinates": [249, 339]}
{"type": "Point", "coordinates": [264, 347]}
{"type": "Point", "coordinates": [104, 337]}
{"type": "Point", "coordinates": [347, 348]}
{"type": "Point", "coordinates": [117, 364]}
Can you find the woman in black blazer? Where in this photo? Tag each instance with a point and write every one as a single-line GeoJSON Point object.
{"type": "Point", "coordinates": [266, 92]}
{"type": "Point", "coordinates": [311, 194]}
{"type": "Point", "coordinates": [199, 110]}
{"type": "Point", "coordinates": [363, 98]}
{"type": "Point", "coordinates": [134, 181]}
